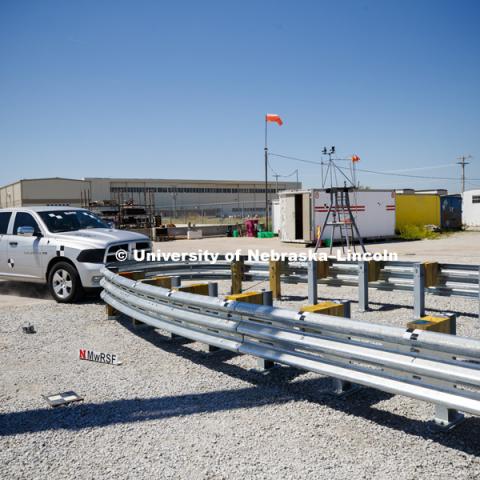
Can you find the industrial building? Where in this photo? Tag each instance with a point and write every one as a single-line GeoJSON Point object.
{"type": "Point", "coordinates": [43, 191]}
{"type": "Point", "coordinates": [166, 197]}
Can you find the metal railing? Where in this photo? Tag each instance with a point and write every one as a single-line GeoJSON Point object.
{"type": "Point", "coordinates": [437, 368]}
{"type": "Point", "coordinates": [458, 280]}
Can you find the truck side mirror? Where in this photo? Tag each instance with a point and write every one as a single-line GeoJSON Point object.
{"type": "Point", "coordinates": [25, 231]}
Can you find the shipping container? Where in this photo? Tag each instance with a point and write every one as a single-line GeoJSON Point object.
{"type": "Point", "coordinates": [421, 209]}
{"type": "Point", "coordinates": [451, 211]}
{"type": "Point", "coordinates": [303, 212]}
{"type": "Point", "coordinates": [471, 208]}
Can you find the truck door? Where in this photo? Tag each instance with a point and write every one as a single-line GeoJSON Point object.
{"type": "Point", "coordinates": [24, 253]}
{"type": "Point", "coordinates": [4, 220]}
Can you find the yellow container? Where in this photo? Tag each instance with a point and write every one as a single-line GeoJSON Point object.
{"type": "Point", "coordinates": [247, 297]}
{"type": "Point", "coordinates": [417, 210]}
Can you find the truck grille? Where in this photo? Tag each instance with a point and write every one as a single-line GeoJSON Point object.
{"type": "Point", "coordinates": [128, 247]}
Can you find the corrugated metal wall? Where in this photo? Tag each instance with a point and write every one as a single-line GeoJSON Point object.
{"type": "Point", "coordinates": [417, 210]}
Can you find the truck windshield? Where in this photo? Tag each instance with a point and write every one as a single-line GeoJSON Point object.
{"type": "Point", "coordinates": [70, 220]}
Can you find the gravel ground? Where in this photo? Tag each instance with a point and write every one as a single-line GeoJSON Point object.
{"type": "Point", "coordinates": [173, 411]}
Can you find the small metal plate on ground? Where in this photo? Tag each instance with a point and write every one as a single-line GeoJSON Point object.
{"type": "Point", "coordinates": [62, 398]}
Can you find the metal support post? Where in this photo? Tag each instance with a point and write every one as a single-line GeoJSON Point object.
{"type": "Point", "coordinates": [346, 307]}
{"type": "Point", "coordinates": [343, 387]}
{"type": "Point", "coordinates": [212, 349]}
{"type": "Point", "coordinates": [267, 298]}
{"type": "Point", "coordinates": [312, 282]}
{"type": "Point", "coordinates": [264, 365]}
{"type": "Point", "coordinates": [453, 322]}
{"type": "Point", "coordinates": [363, 286]}
{"type": "Point", "coordinates": [176, 281]}
{"type": "Point", "coordinates": [447, 418]}
{"type": "Point", "coordinates": [418, 290]}
{"type": "Point", "coordinates": [212, 289]}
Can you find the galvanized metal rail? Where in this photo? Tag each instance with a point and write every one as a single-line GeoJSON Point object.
{"type": "Point", "coordinates": [452, 280]}
{"type": "Point", "coordinates": [437, 368]}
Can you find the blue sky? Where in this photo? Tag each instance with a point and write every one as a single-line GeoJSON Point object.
{"type": "Point", "coordinates": [179, 89]}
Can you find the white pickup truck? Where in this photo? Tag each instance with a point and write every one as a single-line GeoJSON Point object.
{"type": "Point", "coordinates": [62, 247]}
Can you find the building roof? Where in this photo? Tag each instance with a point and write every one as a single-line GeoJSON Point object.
{"type": "Point", "coordinates": [41, 180]}
{"type": "Point", "coordinates": [182, 180]}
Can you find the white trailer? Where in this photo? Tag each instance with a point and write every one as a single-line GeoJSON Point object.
{"type": "Point", "coordinates": [276, 216]}
{"type": "Point", "coordinates": [471, 208]}
{"type": "Point", "coordinates": [303, 212]}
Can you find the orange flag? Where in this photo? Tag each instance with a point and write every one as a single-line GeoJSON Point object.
{"type": "Point", "coordinates": [355, 158]}
{"type": "Point", "coordinates": [272, 117]}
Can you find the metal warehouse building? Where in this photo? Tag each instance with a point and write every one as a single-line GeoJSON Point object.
{"type": "Point", "coordinates": [43, 191]}
{"type": "Point", "coordinates": [162, 196]}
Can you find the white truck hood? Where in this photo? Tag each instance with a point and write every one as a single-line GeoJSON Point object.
{"type": "Point", "coordinates": [101, 237]}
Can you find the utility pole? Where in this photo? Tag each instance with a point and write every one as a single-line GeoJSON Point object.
{"type": "Point", "coordinates": [462, 163]}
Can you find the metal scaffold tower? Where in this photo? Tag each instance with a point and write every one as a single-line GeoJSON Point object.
{"type": "Point", "coordinates": [339, 215]}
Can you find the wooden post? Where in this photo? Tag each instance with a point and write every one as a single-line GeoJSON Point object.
{"type": "Point", "coordinates": [133, 275]}
{"type": "Point", "coordinates": [374, 268]}
{"type": "Point", "coordinates": [159, 281]}
{"type": "Point", "coordinates": [431, 273]}
{"type": "Point", "coordinates": [237, 276]}
{"type": "Point", "coordinates": [275, 270]}
{"type": "Point", "coordinates": [112, 314]}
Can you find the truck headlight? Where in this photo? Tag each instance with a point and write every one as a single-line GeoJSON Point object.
{"type": "Point", "coordinates": [93, 255]}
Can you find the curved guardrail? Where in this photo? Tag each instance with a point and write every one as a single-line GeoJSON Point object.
{"type": "Point", "coordinates": [452, 280]}
{"type": "Point", "coordinates": [437, 368]}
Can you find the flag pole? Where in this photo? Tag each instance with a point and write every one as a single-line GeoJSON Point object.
{"type": "Point", "coordinates": [266, 177]}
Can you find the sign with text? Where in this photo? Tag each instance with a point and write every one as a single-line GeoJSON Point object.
{"type": "Point", "coordinates": [99, 357]}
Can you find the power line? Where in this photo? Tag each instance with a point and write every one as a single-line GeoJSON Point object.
{"type": "Point", "coordinates": [374, 172]}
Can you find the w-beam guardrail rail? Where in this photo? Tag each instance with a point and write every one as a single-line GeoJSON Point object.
{"type": "Point", "coordinates": [438, 368]}
{"type": "Point", "coordinates": [449, 280]}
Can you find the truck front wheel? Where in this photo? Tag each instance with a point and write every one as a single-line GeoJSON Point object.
{"type": "Point", "coordinates": [64, 283]}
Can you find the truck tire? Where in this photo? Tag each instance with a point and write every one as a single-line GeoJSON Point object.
{"type": "Point", "coordinates": [64, 283]}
